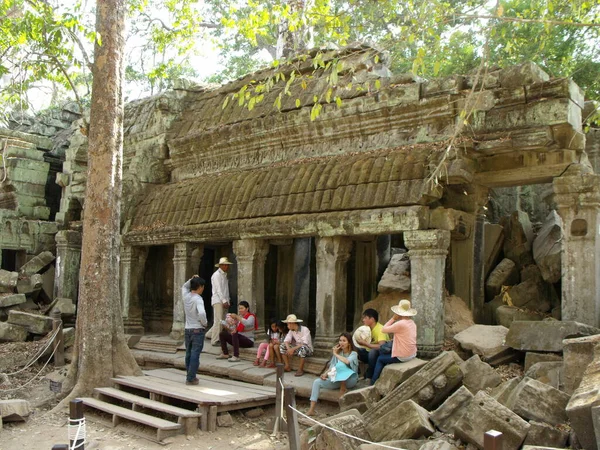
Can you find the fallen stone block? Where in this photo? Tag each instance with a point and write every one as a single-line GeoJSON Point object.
{"type": "Point", "coordinates": [530, 294]}
{"type": "Point", "coordinates": [309, 436]}
{"type": "Point", "coordinates": [596, 421]}
{"type": "Point", "coordinates": [484, 413]}
{"type": "Point", "coordinates": [396, 277]}
{"type": "Point", "coordinates": [502, 392]}
{"type": "Point", "coordinates": [584, 399]}
{"type": "Point", "coordinates": [47, 292]}
{"type": "Point", "coordinates": [545, 336]}
{"type": "Point", "coordinates": [65, 306]}
{"type": "Point", "coordinates": [457, 316]}
{"type": "Point", "coordinates": [429, 387]}
{"type": "Point", "coordinates": [12, 300]}
{"type": "Point", "coordinates": [545, 435]}
{"type": "Point", "coordinates": [532, 358]}
{"type": "Point", "coordinates": [351, 425]}
{"type": "Point", "coordinates": [225, 420]}
{"type": "Point", "coordinates": [12, 333]}
{"type": "Point", "coordinates": [395, 374]}
{"type": "Point", "coordinates": [405, 444]}
{"type": "Point", "coordinates": [478, 375]}
{"type": "Point", "coordinates": [15, 410]}
{"type": "Point", "coordinates": [487, 341]}
{"type": "Point", "coordinates": [446, 416]}
{"type": "Point", "coordinates": [8, 280]}
{"type": "Point", "coordinates": [547, 248]}
{"type": "Point", "coordinates": [361, 399]}
{"type": "Point", "coordinates": [504, 274]}
{"type": "Point", "coordinates": [35, 323]}
{"type": "Point", "coordinates": [522, 75]}
{"type": "Point", "coordinates": [68, 337]}
{"type": "Point", "coordinates": [518, 238]}
{"type": "Point", "coordinates": [409, 421]}
{"type": "Point", "coordinates": [537, 447]}
{"type": "Point", "coordinates": [438, 445]}
{"type": "Point", "coordinates": [546, 372]}
{"type": "Point", "coordinates": [37, 263]}
{"type": "Point", "coordinates": [531, 272]}
{"type": "Point", "coordinates": [30, 285]}
{"type": "Point", "coordinates": [506, 315]}
{"type": "Point", "coordinates": [578, 353]}
{"type": "Point", "coordinates": [538, 401]}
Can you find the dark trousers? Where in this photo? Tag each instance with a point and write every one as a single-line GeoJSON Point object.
{"type": "Point", "coordinates": [382, 361]}
{"type": "Point", "coordinates": [370, 358]}
{"type": "Point", "coordinates": [194, 342]}
{"type": "Point", "coordinates": [235, 339]}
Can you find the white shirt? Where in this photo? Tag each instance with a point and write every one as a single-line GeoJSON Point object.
{"type": "Point", "coordinates": [193, 305]}
{"type": "Point", "coordinates": [220, 287]}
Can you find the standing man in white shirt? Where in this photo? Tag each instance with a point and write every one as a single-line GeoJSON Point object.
{"type": "Point", "coordinates": [195, 325]}
{"type": "Point", "coordinates": [220, 298]}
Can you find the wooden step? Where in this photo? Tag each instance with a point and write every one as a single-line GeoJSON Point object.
{"type": "Point", "coordinates": [164, 428]}
{"type": "Point", "coordinates": [187, 418]}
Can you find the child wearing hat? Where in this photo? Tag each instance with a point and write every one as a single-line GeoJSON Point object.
{"type": "Point", "coordinates": [296, 343]}
{"type": "Point", "coordinates": [404, 344]}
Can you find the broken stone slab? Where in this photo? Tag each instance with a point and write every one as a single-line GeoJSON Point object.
{"type": "Point", "coordinates": [428, 387]}
{"type": "Point", "coordinates": [29, 285]}
{"type": "Point", "coordinates": [478, 375]}
{"type": "Point", "coordinates": [15, 410]}
{"type": "Point", "coordinates": [534, 400]}
{"type": "Point", "coordinates": [396, 276]}
{"type": "Point", "coordinates": [361, 399]}
{"type": "Point", "coordinates": [395, 374]}
{"type": "Point", "coordinates": [409, 421]}
{"type": "Point", "coordinates": [352, 425]}
{"type": "Point", "coordinates": [546, 372]}
{"type": "Point", "coordinates": [12, 333]}
{"type": "Point", "coordinates": [486, 341]}
{"type": "Point", "coordinates": [65, 306]}
{"type": "Point", "coordinates": [547, 248]}
{"type": "Point", "coordinates": [545, 336]}
{"type": "Point", "coordinates": [502, 393]}
{"type": "Point", "coordinates": [506, 315]}
{"type": "Point", "coordinates": [584, 399]}
{"type": "Point", "coordinates": [225, 420]}
{"type": "Point", "coordinates": [578, 353]}
{"type": "Point", "coordinates": [308, 436]}
{"type": "Point", "coordinates": [530, 294]}
{"type": "Point", "coordinates": [12, 300]}
{"type": "Point", "coordinates": [484, 413]}
{"type": "Point", "coordinates": [8, 280]}
{"type": "Point", "coordinates": [448, 413]}
{"type": "Point", "coordinates": [532, 358]}
{"type": "Point", "coordinates": [37, 263]}
{"type": "Point", "coordinates": [34, 323]}
{"type": "Point", "coordinates": [405, 444]}
{"type": "Point", "coordinates": [518, 238]}
{"type": "Point", "coordinates": [504, 274]}
{"type": "Point", "coordinates": [545, 435]}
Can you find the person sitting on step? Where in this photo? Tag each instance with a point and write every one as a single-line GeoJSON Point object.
{"type": "Point", "coordinates": [273, 335]}
{"type": "Point", "coordinates": [242, 336]}
{"type": "Point", "coordinates": [297, 342]}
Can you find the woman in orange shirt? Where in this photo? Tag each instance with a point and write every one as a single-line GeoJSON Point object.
{"type": "Point", "coordinates": [404, 346]}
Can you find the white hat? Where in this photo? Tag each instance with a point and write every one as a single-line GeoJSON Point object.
{"type": "Point", "coordinates": [223, 260]}
{"type": "Point", "coordinates": [403, 309]}
{"type": "Point", "coordinates": [362, 333]}
{"type": "Point", "coordinates": [291, 319]}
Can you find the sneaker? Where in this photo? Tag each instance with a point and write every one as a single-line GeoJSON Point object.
{"type": "Point", "coordinates": [193, 382]}
{"type": "Point", "coordinates": [216, 344]}
{"type": "Point", "coordinates": [222, 356]}
{"type": "Point", "coordinates": [234, 359]}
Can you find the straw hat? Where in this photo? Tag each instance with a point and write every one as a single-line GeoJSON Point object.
{"type": "Point", "coordinates": [403, 309]}
{"type": "Point", "coordinates": [222, 261]}
{"type": "Point", "coordinates": [291, 319]}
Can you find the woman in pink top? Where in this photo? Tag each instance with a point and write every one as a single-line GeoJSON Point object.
{"type": "Point", "coordinates": [404, 347]}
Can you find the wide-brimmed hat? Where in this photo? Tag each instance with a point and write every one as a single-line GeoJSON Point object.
{"type": "Point", "coordinates": [403, 309]}
{"type": "Point", "coordinates": [222, 261]}
{"type": "Point", "coordinates": [291, 319]}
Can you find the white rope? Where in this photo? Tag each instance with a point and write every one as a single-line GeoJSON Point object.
{"type": "Point", "coordinates": [34, 377]}
{"type": "Point", "coordinates": [38, 355]}
{"type": "Point", "coordinates": [76, 432]}
{"type": "Point", "coordinates": [341, 432]}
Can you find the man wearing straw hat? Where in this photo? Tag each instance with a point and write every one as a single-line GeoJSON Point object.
{"type": "Point", "coordinates": [404, 345]}
{"type": "Point", "coordinates": [220, 298]}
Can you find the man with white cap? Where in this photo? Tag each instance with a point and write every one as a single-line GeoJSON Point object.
{"type": "Point", "coordinates": [220, 298]}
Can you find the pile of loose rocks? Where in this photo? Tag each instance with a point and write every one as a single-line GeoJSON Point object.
{"type": "Point", "coordinates": [451, 401]}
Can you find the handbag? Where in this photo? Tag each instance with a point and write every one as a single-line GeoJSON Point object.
{"type": "Point", "coordinates": [386, 347]}
{"type": "Point", "coordinates": [331, 373]}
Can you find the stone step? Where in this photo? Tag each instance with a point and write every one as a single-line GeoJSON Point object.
{"type": "Point", "coordinates": [163, 428]}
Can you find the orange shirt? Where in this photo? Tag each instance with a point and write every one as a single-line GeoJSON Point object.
{"type": "Point", "coordinates": [405, 337]}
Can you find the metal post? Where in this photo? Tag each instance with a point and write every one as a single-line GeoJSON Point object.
{"type": "Point", "coordinates": [492, 440]}
{"type": "Point", "coordinates": [279, 424]}
{"type": "Point", "coordinates": [58, 345]}
{"type": "Point", "coordinates": [292, 418]}
{"type": "Point", "coordinates": [75, 415]}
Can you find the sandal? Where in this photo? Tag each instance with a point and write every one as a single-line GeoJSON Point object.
{"type": "Point", "coordinates": [287, 369]}
{"type": "Point", "coordinates": [271, 366]}
{"type": "Point", "coordinates": [256, 363]}
{"type": "Point", "coordinates": [299, 373]}
{"type": "Point", "coordinates": [263, 364]}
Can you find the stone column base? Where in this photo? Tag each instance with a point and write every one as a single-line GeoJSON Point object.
{"type": "Point", "coordinates": [133, 326]}
{"type": "Point", "coordinates": [428, 351]}
{"type": "Point", "coordinates": [177, 332]}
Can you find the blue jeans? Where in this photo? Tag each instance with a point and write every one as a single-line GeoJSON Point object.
{"type": "Point", "coordinates": [369, 357]}
{"type": "Point", "coordinates": [319, 384]}
{"type": "Point", "coordinates": [194, 342]}
{"type": "Point", "coordinates": [383, 360]}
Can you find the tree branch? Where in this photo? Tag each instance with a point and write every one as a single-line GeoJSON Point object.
{"type": "Point", "coordinates": [520, 20]}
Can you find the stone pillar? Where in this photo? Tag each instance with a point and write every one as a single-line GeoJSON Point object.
{"type": "Point", "coordinates": [68, 255]}
{"type": "Point", "coordinates": [578, 201]}
{"type": "Point", "coordinates": [251, 255]}
{"type": "Point", "coordinates": [133, 262]}
{"type": "Point", "coordinates": [365, 276]}
{"type": "Point", "coordinates": [332, 256]}
{"type": "Point", "coordinates": [300, 304]}
{"type": "Point", "coordinates": [427, 251]}
{"type": "Point", "coordinates": [284, 288]}
{"type": "Point", "coordinates": [182, 271]}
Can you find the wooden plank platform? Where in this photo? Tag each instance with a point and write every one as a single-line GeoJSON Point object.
{"type": "Point", "coordinates": [211, 395]}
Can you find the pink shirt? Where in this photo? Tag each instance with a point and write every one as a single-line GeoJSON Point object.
{"type": "Point", "coordinates": [405, 337]}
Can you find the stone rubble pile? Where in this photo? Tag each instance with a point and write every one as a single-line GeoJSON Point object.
{"type": "Point", "coordinates": [451, 401]}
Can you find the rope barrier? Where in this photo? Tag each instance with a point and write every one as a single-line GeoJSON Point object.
{"type": "Point", "coordinates": [341, 432]}
{"type": "Point", "coordinates": [76, 432]}
{"type": "Point", "coordinates": [34, 377]}
{"type": "Point", "coordinates": [38, 355]}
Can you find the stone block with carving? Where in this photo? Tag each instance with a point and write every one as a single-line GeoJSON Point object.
{"type": "Point", "coordinates": [308, 436]}
{"type": "Point", "coordinates": [584, 399]}
{"type": "Point", "coordinates": [360, 399]}
{"type": "Point", "coordinates": [518, 238]}
{"type": "Point", "coordinates": [547, 248]}
{"type": "Point", "coordinates": [539, 401]}
{"type": "Point", "coordinates": [397, 275]}
{"type": "Point", "coordinates": [478, 375]}
{"type": "Point", "coordinates": [409, 421]}
{"type": "Point", "coordinates": [12, 333]}
{"type": "Point", "coordinates": [484, 413]}
{"type": "Point", "coordinates": [352, 425]}
{"type": "Point", "coordinates": [37, 263]}
{"type": "Point", "coordinates": [504, 274]}
{"type": "Point", "coordinates": [544, 435]}
{"type": "Point", "coordinates": [546, 372]}
{"type": "Point", "coordinates": [545, 336]}
{"type": "Point", "coordinates": [15, 410]}
{"type": "Point", "coordinates": [446, 416]}
{"type": "Point", "coordinates": [12, 300]}
{"type": "Point", "coordinates": [578, 353]}
{"type": "Point", "coordinates": [34, 323]}
{"type": "Point", "coordinates": [395, 374]}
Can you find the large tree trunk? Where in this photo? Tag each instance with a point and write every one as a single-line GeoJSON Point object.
{"type": "Point", "coordinates": [100, 348]}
